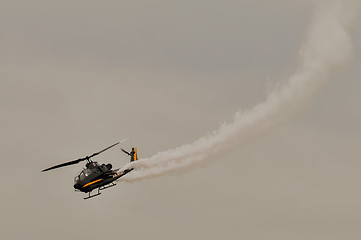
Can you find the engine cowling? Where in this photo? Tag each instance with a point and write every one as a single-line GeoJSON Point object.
{"type": "Point", "coordinates": [109, 166]}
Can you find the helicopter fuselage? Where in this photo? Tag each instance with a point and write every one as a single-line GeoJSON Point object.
{"type": "Point", "coordinates": [96, 176]}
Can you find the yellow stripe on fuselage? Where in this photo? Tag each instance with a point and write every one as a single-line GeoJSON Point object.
{"type": "Point", "coordinates": [92, 183]}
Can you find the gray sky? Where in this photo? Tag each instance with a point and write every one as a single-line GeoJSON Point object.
{"type": "Point", "coordinates": [77, 76]}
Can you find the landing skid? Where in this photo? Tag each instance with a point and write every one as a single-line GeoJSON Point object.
{"type": "Point", "coordinates": [100, 188]}
{"type": "Point", "coordinates": [91, 196]}
{"type": "Point", "coordinates": [107, 186]}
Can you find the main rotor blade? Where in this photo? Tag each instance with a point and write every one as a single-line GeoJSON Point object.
{"type": "Point", "coordinates": [65, 164]}
{"type": "Point", "coordinates": [94, 154]}
{"type": "Point", "coordinates": [81, 159]}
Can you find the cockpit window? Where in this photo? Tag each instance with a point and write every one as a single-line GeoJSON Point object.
{"type": "Point", "coordinates": [83, 174]}
{"type": "Point", "coordinates": [76, 179]}
{"type": "Point", "coordinates": [87, 172]}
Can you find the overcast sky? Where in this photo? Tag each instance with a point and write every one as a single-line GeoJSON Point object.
{"type": "Point", "coordinates": [78, 76]}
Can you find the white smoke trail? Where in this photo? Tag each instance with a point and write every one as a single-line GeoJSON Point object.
{"type": "Point", "coordinates": [328, 47]}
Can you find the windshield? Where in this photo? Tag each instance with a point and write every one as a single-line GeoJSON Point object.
{"type": "Point", "coordinates": [76, 179]}
{"type": "Point", "coordinates": [87, 172]}
{"type": "Point", "coordinates": [82, 175]}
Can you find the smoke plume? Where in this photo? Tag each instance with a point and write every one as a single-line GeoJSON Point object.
{"type": "Point", "coordinates": [328, 47]}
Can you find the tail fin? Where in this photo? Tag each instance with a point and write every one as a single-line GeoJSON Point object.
{"type": "Point", "coordinates": [133, 154]}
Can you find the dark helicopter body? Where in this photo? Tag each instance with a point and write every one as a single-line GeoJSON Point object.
{"type": "Point", "coordinates": [96, 176]}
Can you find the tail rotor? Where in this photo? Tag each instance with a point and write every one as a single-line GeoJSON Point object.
{"type": "Point", "coordinates": [133, 154]}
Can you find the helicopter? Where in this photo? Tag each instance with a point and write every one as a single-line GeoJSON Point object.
{"type": "Point", "coordinates": [95, 175]}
